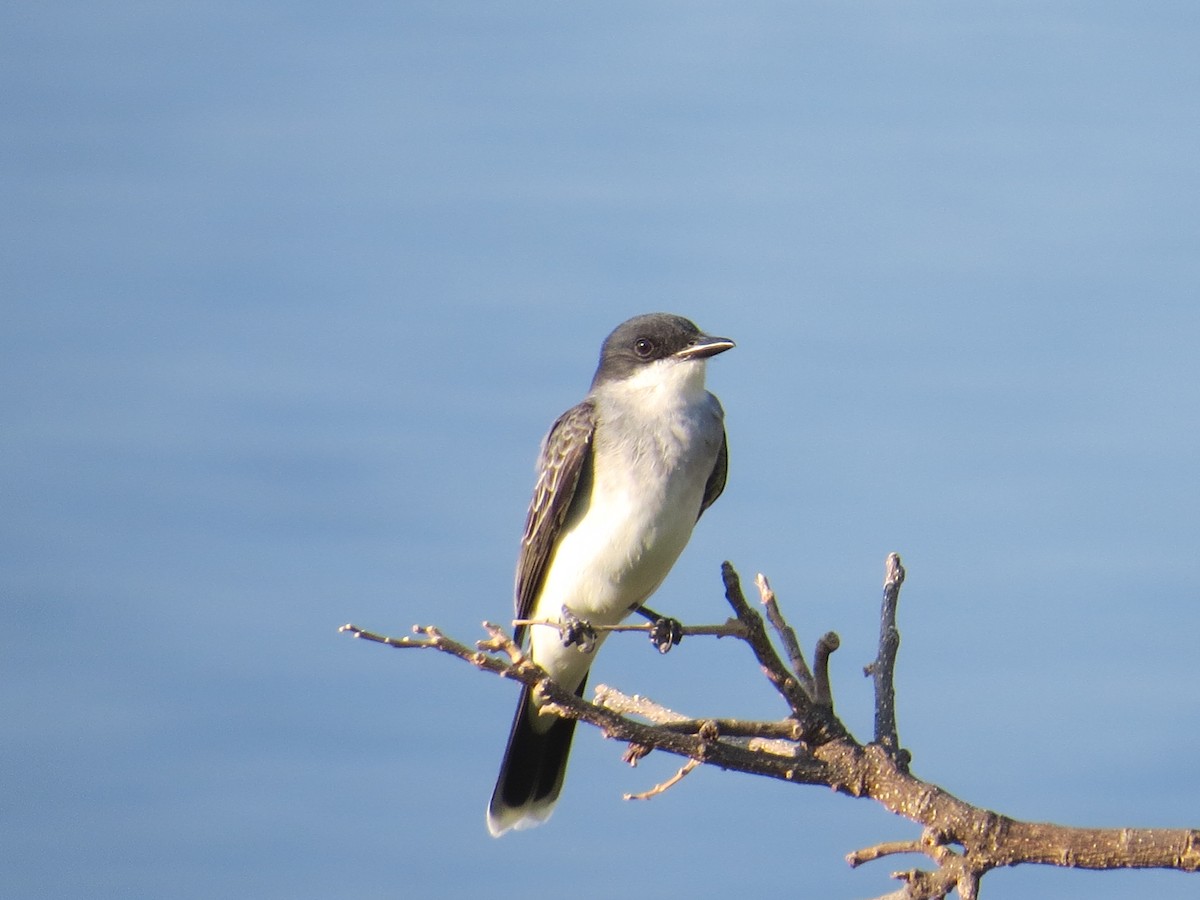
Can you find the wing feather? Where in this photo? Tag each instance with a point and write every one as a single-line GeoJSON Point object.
{"type": "Point", "coordinates": [716, 479]}
{"type": "Point", "coordinates": [566, 456]}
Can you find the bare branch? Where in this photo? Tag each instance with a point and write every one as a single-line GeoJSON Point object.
{"type": "Point", "coordinates": [435, 640]}
{"type": "Point", "coordinates": [728, 628]}
{"type": "Point", "coordinates": [666, 785]}
{"type": "Point", "coordinates": [879, 851]}
{"type": "Point", "coordinates": [822, 690]}
{"type": "Point", "coordinates": [812, 746]}
{"type": "Point", "coordinates": [636, 705]}
{"type": "Point", "coordinates": [772, 666]}
{"type": "Point", "coordinates": [779, 738]}
{"type": "Point", "coordinates": [883, 668]}
{"type": "Point", "coordinates": [787, 636]}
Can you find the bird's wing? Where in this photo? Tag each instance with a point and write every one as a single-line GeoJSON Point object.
{"type": "Point", "coordinates": [716, 479]}
{"type": "Point", "coordinates": [566, 456]}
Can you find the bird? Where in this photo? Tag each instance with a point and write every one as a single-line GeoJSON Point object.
{"type": "Point", "coordinates": [622, 479]}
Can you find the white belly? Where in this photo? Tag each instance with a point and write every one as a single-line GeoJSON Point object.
{"type": "Point", "coordinates": [645, 498]}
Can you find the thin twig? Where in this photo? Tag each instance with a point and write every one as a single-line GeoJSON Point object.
{"type": "Point", "coordinates": [773, 667]}
{"type": "Point", "coordinates": [666, 785]}
{"type": "Point", "coordinates": [879, 851]}
{"type": "Point", "coordinates": [480, 656]}
{"type": "Point", "coordinates": [778, 738]}
{"type": "Point", "coordinates": [636, 705]}
{"type": "Point", "coordinates": [729, 628]}
{"type": "Point", "coordinates": [787, 635]}
{"type": "Point", "coordinates": [883, 669]}
{"type": "Point", "coordinates": [822, 689]}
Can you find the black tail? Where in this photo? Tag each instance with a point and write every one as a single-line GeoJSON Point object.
{"type": "Point", "coordinates": [531, 775]}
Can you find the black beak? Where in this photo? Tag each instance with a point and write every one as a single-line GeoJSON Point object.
{"type": "Point", "coordinates": [705, 346]}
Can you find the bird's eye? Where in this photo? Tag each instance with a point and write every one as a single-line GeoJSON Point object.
{"type": "Point", "coordinates": [643, 347]}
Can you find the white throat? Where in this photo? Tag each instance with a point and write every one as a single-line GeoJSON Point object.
{"type": "Point", "coordinates": [662, 386]}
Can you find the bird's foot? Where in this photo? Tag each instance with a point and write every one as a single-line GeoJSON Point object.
{"type": "Point", "coordinates": [575, 630]}
{"type": "Point", "coordinates": [665, 633]}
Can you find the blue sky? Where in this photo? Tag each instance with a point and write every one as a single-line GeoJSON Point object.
{"type": "Point", "coordinates": [291, 292]}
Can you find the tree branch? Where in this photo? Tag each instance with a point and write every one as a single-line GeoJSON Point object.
{"type": "Point", "coordinates": [815, 716]}
{"type": "Point", "coordinates": [728, 628]}
{"type": "Point", "coordinates": [812, 746]}
{"type": "Point", "coordinates": [787, 636]}
{"type": "Point", "coordinates": [883, 669]}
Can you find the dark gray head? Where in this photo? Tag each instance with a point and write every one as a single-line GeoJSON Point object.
{"type": "Point", "coordinates": [648, 339]}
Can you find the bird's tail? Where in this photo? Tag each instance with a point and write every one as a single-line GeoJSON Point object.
{"type": "Point", "coordinates": [531, 775]}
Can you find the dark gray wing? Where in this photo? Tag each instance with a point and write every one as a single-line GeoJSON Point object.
{"type": "Point", "coordinates": [566, 456]}
{"type": "Point", "coordinates": [716, 480]}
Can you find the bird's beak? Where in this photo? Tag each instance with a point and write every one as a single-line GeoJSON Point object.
{"type": "Point", "coordinates": [704, 346]}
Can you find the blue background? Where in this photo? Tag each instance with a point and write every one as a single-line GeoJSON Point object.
{"type": "Point", "coordinates": [291, 292]}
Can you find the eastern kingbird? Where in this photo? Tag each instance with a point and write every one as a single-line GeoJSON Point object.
{"type": "Point", "coordinates": [622, 479]}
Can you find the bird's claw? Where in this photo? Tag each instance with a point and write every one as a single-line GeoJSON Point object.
{"type": "Point", "coordinates": [575, 630]}
{"type": "Point", "coordinates": [665, 633]}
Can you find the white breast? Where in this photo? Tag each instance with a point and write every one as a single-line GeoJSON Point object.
{"type": "Point", "coordinates": [656, 442]}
